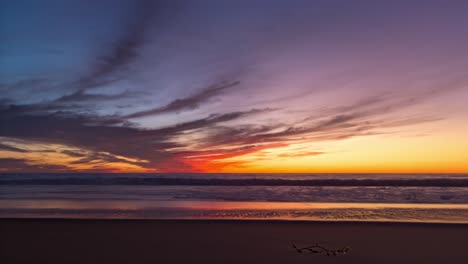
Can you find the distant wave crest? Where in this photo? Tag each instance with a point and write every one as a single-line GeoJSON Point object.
{"type": "Point", "coordinates": [238, 182]}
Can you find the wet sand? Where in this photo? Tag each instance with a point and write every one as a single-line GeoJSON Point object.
{"type": "Point", "coordinates": [206, 241]}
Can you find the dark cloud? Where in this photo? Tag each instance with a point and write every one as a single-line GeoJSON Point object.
{"type": "Point", "coordinates": [111, 66]}
{"type": "Point", "coordinates": [107, 137]}
{"type": "Point", "coordinates": [341, 123]}
{"type": "Point", "coordinates": [105, 134]}
{"type": "Point", "coordinates": [10, 109]}
{"type": "Point", "coordinates": [209, 121]}
{"type": "Point", "coordinates": [11, 148]}
{"type": "Point", "coordinates": [96, 158]}
{"type": "Point", "coordinates": [82, 96]}
{"type": "Point", "coordinates": [73, 153]}
{"type": "Point", "coordinates": [123, 52]}
{"type": "Point", "coordinates": [21, 165]}
{"type": "Point", "coordinates": [188, 103]}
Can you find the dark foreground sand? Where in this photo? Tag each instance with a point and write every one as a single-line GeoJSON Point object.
{"type": "Point", "coordinates": [164, 241]}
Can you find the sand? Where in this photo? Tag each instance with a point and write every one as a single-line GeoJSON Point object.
{"type": "Point", "coordinates": [202, 241]}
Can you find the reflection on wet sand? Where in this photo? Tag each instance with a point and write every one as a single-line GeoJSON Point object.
{"type": "Point", "coordinates": [451, 213]}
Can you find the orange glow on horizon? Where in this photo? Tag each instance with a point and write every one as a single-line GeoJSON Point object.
{"type": "Point", "coordinates": [438, 152]}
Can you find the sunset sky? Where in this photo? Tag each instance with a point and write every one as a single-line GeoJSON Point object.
{"type": "Point", "coordinates": [234, 86]}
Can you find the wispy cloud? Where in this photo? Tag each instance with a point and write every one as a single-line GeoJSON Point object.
{"type": "Point", "coordinates": [216, 141]}
{"type": "Point", "coordinates": [22, 165]}
{"type": "Point", "coordinates": [106, 135]}
{"type": "Point", "coordinates": [122, 53]}
{"type": "Point", "coordinates": [82, 96]}
{"type": "Point", "coordinates": [188, 103]}
{"type": "Point", "coordinates": [11, 148]}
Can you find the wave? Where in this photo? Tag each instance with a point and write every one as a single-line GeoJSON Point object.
{"type": "Point", "coordinates": [239, 182]}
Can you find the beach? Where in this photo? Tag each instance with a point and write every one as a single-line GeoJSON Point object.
{"type": "Point", "coordinates": [227, 241]}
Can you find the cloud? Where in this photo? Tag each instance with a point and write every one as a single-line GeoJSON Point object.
{"type": "Point", "coordinates": [123, 52]}
{"type": "Point", "coordinates": [73, 153]}
{"type": "Point", "coordinates": [109, 139]}
{"type": "Point", "coordinates": [188, 103]}
{"type": "Point", "coordinates": [102, 158]}
{"type": "Point", "coordinates": [11, 148]}
{"type": "Point", "coordinates": [215, 160]}
{"type": "Point", "coordinates": [109, 66]}
{"type": "Point", "coordinates": [337, 124]}
{"type": "Point", "coordinates": [82, 96]}
{"type": "Point", "coordinates": [21, 165]}
{"type": "Point", "coordinates": [101, 134]}
{"type": "Point", "coordinates": [112, 139]}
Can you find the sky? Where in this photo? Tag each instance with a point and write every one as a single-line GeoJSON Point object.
{"type": "Point", "coordinates": [256, 86]}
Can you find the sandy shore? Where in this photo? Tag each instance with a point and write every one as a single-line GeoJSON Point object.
{"type": "Point", "coordinates": [167, 241]}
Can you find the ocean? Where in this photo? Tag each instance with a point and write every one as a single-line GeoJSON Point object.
{"type": "Point", "coordinates": [318, 197]}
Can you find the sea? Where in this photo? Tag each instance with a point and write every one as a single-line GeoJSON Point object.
{"type": "Point", "coordinates": [433, 198]}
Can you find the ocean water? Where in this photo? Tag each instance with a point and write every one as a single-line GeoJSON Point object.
{"type": "Point", "coordinates": [321, 197]}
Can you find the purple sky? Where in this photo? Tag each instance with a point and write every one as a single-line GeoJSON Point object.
{"type": "Point", "coordinates": [234, 86]}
